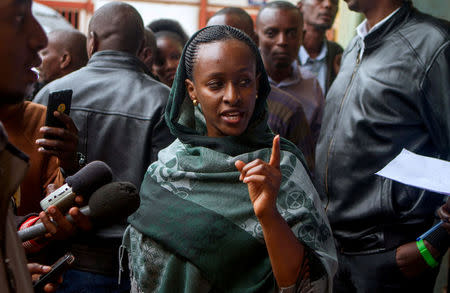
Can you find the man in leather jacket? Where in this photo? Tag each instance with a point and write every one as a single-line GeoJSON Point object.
{"type": "Point", "coordinates": [392, 92]}
{"type": "Point", "coordinates": [119, 110]}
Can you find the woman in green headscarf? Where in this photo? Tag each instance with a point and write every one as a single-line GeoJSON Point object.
{"type": "Point", "coordinates": [227, 207]}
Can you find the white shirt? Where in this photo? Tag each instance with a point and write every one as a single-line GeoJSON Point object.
{"type": "Point", "coordinates": [318, 65]}
{"type": "Point", "coordinates": [362, 30]}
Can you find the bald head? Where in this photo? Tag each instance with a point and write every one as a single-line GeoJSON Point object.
{"type": "Point", "coordinates": [148, 50]}
{"type": "Point", "coordinates": [65, 52]}
{"type": "Point", "coordinates": [150, 40]}
{"type": "Point", "coordinates": [116, 26]}
{"type": "Point", "coordinates": [235, 17]}
{"type": "Point", "coordinates": [73, 42]}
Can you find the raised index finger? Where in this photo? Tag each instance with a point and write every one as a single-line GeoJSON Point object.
{"type": "Point", "coordinates": [275, 156]}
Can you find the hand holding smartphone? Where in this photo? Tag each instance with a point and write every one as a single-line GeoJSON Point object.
{"type": "Point", "coordinates": [58, 268]}
{"type": "Point", "coordinates": [57, 101]}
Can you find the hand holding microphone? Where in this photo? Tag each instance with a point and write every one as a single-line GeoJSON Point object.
{"type": "Point", "coordinates": [77, 187]}
{"type": "Point", "coordinates": [57, 227]}
{"type": "Point", "coordinates": [84, 183]}
{"type": "Point", "coordinates": [109, 204]}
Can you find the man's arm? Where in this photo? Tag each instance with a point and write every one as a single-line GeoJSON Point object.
{"type": "Point", "coordinates": [435, 100]}
{"type": "Point", "coordinates": [434, 105]}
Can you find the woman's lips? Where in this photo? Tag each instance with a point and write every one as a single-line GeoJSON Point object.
{"type": "Point", "coordinates": [233, 117]}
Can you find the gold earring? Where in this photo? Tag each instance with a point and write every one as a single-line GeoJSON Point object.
{"type": "Point", "coordinates": [195, 102]}
{"type": "Point", "coordinates": [256, 95]}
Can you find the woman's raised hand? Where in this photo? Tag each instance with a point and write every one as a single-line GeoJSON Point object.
{"type": "Point", "coordinates": [263, 180]}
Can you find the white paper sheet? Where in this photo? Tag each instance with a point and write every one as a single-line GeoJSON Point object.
{"type": "Point", "coordinates": [419, 171]}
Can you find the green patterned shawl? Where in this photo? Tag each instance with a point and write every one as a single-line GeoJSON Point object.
{"type": "Point", "coordinates": [196, 231]}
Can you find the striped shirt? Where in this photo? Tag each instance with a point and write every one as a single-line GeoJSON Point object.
{"type": "Point", "coordinates": [287, 118]}
{"type": "Point", "coordinates": [306, 89]}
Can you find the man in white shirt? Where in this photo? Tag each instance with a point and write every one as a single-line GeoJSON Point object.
{"type": "Point", "coordinates": [317, 54]}
{"type": "Point", "coordinates": [392, 92]}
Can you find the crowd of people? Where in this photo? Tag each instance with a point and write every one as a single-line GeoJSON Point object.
{"type": "Point", "coordinates": [254, 145]}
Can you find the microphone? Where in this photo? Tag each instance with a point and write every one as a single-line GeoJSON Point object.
{"type": "Point", "coordinates": [84, 182]}
{"type": "Point", "coordinates": [108, 205]}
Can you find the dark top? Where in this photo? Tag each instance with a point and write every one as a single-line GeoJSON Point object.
{"type": "Point", "coordinates": [396, 96]}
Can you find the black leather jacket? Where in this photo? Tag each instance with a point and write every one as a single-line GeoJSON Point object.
{"type": "Point", "coordinates": [119, 112]}
{"type": "Point", "coordinates": [397, 95]}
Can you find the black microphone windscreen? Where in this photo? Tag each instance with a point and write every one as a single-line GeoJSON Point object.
{"type": "Point", "coordinates": [90, 178]}
{"type": "Point", "coordinates": [113, 201]}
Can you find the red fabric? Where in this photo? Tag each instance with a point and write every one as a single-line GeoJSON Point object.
{"type": "Point", "coordinates": [29, 222]}
{"type": "Point", "coordinates": [31, 246]}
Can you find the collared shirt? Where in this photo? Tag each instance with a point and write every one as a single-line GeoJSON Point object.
{"type": "Point", "coordinates": [362, 29]}
{"type": "Point", "coordinates": [317, 65]}
{"type": "Point", "coordinates": [303, 85]}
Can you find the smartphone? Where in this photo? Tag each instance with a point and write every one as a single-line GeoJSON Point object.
{"type": "Point", "coordinates": [58, 268]}
{"type": "Point", "coordinates": [57, 101]}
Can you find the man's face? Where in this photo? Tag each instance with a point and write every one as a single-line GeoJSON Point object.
{"type": "Point", "coordinates": [52, 56]}
{"type": "Point", "coordinates": [280, 34]}
{"type": "Point", "coordinates": [21, 39]}
{"type": "Point", "coordinates": [320, 13]}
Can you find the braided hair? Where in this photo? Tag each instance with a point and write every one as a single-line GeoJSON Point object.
{"type": "Point", "coordinates": [218, 33]}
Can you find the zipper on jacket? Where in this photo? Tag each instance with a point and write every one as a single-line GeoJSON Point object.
{"type": "Point", "coordinates": [358, 61]}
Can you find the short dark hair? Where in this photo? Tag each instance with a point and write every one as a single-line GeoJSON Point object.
{"type": "Point", "coordinates": [241, 13]}
{"type": "Point", "coordinates": [165, 24]}
{"type": "Point", "coordinates": [283, 5]}
{"type": "Point", "coordinates": [171, 35]}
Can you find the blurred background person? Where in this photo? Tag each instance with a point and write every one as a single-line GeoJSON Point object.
{"type": "Point", "coordinates": [165, 24]}
{"type": "Point", "coordinates": [279, 27]}
{"type": "Point", "coordinates": [235, 17]}
{"type": "Point", "coordinates": [317, 54]}
{"type": "Point", "coordinates": [148, 51]}
{"type": "Point", "coordinates": [168, 53]}
{"type": "Point", "coordinates": [65, 53]}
